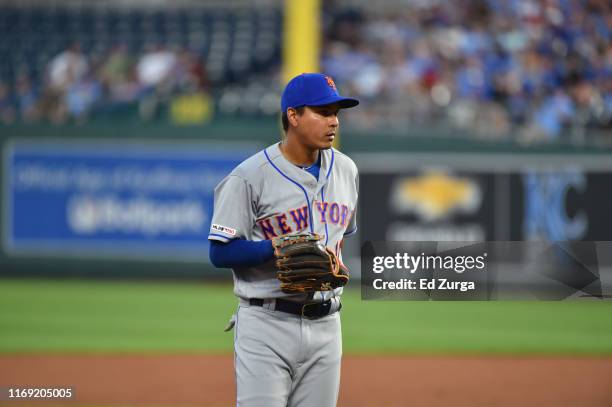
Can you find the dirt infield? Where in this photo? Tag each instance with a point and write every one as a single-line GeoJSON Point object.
{"type": "Point", "coordinates": [367, 381]}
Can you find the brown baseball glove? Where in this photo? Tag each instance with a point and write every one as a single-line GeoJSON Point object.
{"type": "Point", "coordinates": [305, 265]}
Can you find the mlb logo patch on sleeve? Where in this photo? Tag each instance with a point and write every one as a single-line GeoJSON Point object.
{"type": "Point", "coordinates": [224, 229]}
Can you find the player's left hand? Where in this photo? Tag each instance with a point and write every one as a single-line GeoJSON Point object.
{"type": "Point", "coordinates": [305, 265]}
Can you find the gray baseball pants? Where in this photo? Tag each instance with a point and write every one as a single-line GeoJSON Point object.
{"type": "Point", "coordinates": [284, 360]}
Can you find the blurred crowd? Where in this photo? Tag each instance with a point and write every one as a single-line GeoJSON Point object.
{"type": "Point", "coordinates": [539, 69]}
{"type": "Point", "coordinates": [75, 85]}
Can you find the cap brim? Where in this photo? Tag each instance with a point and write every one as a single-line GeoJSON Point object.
{"type": "Point", "coordinates": [343, 103]}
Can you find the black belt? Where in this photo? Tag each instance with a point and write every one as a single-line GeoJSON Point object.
{"type": "Point", "coordinates": [311, 310]}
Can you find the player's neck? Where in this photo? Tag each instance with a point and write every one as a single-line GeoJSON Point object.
{"type": "Point", "coordinates": [297, 153]}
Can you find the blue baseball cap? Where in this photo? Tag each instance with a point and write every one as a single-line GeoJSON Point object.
{"type": "Point", "coordinates": [313, 89]}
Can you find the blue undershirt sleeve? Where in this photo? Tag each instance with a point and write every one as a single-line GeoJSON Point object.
{"type": "Point", "coordinates": [240, 253]}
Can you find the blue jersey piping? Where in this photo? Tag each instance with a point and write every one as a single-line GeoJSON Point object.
{"type": "Point", "coordinates": [331, 165]}
{"type": "Point", "coordinates": [326, 231]}
{"type": "Point", "coordinates": [297, 184]}
{"type": "Point", "coordinates": [225, 237]}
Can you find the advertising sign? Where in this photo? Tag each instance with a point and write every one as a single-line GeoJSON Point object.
{"type": "Point", "coordinates": [427, 206]}
{"type": "Point", "coordinates": [137, 199]}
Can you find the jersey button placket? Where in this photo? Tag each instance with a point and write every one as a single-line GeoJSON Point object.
{"type": "Point", "coordinates": [313, 196]}
{"type": "Point", "coordinates": [321, 223]}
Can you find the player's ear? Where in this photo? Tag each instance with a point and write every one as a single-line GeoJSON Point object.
{"type": "Point", "coordinates": [292, 117]}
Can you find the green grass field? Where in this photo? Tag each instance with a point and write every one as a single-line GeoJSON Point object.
{"type": "Point", "coordinates": [165, 317]}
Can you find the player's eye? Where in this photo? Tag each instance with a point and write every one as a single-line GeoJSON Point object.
{"type": "Point", "coordinates": [329, 112]}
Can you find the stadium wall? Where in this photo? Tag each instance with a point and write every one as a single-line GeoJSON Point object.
{"type": "Point", "coordinates": [506, 192]}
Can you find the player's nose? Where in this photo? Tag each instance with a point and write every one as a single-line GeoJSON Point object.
{"type": "Point", "coordinates": [333, 121]}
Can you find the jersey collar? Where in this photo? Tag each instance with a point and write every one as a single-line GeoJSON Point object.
{"type": "Point", "coordinates": [299, 175]}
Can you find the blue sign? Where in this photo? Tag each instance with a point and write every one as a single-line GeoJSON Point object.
{"type": "Point", "coordinates": [144, 200]}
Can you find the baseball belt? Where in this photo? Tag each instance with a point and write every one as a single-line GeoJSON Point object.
{"type": "Point", "coordinates": [310, 310]}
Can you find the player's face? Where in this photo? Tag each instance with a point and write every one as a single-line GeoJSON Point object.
{"type": "Point", "coordinates": [318, 126]}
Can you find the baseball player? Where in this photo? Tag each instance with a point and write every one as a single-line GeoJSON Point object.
{"type": "Point", "coordinates": [279, 221]}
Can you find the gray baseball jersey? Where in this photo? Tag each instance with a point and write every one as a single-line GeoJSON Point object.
{"type": "Point", "coordinates": [267, 196]}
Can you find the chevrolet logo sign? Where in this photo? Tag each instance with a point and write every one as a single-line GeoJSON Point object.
{"type": "Point", "coordinates": [435, 195]}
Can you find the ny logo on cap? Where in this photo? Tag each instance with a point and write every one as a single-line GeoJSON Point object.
{"type": "Point", "coordinates": [331, 83]}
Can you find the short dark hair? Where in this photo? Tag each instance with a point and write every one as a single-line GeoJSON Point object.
{"type": "Point", "coordinates": [285, 119]}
